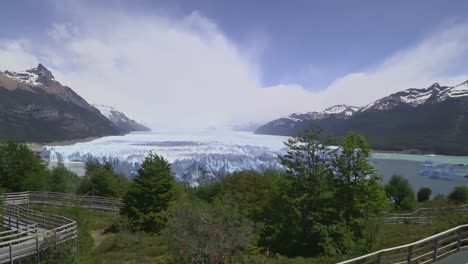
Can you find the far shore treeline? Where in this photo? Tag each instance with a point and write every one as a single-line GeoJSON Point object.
{"type": "Point", "coordinates": [326, 206]}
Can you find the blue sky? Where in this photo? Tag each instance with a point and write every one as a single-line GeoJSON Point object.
{"type": "Point", "coordinates": [307, 42]}
{"type": "Point", "coordinates": [299, 48]}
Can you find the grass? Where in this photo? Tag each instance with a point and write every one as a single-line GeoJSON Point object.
{"type": "Point", "coordinates": [99, 245]}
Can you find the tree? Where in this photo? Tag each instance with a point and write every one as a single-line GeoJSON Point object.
{"type": "Point", "coordinates": [20, 168]}
{"type": "Point", "coordinates": [101, 180]}
{"type": "Point", "coordinates": [201, 233]}
{"type": "Point", "coordinates": [358, 199]}
{"type": "Point", "coordinates": [424, 194]}
{"type": "Point", "coordinates": [308, 166]}
{"type": "Point", "coordinates": [150, 194]}
{"type": "Point", "coordinates": [401, 193]}
{"type": "Point", "coordinates": [358, 192]}
{"type": "Point", "coordinates": [63, 180]}
{"type": "Point", "coordinates": [459, 195]}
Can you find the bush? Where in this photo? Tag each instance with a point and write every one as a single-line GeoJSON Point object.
{"type": "Point", "coordinates": [21, 169]}
{"type": "Point", "coordinates": [101, 180]}
{"type": "Point", "coordinates": [401, 193]}
{"type": "Point", "coordinates": [424, 194]}
{"type": "Point", "coordinates": [63, 180]}
{"type": "Point", "coordinates": [459, 195]}
{"type": "Point", "coordinates": [199, 233]}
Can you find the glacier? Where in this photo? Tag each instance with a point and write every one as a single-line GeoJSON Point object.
{"type": "Point", "coordinates": [197, 156]}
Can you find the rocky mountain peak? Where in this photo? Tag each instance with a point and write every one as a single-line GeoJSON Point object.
{"type": "Point", "coordinates": [42, 71]}
{"type": "Point", "coordinates": [36, 76]}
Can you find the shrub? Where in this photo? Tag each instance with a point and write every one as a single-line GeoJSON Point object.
{"type": "Point", "coordinates": [459, 195]}
{"type": "Point", "coordinates": [424, 194]}
{"type": "Point", "coordinates": [401, 193]}
{"type": "Point", "coordinates": [199, 233]}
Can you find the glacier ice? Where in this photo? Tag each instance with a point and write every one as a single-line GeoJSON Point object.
{"type": "Point", "coordinates": [197, 156]}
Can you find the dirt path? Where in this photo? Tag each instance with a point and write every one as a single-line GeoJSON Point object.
{"type": "Point", "coordinates": [98, 236]}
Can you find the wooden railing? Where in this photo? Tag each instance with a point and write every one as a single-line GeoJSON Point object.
{"type": "Point", "coordinates": [30, 231]}
{"type": "Point", "coordinates": [423, 215]}
{"type": "Point", "coordinates": [427, 250]}
{"type": "Point", "coordinates": [63, 199]}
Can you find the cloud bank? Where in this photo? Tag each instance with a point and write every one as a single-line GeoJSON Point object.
{"type": "Point", "coordinates": [185, 72]}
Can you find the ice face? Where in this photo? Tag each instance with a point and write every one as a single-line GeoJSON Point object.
{"type": "Point", "coordinates": [196, 156]}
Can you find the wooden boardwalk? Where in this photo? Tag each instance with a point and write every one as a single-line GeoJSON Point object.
{"type": "Point", "coordinates": [30, 232]}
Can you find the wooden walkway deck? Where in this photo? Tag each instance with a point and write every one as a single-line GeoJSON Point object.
{"type": "Point", "coordinates": [30, 232]}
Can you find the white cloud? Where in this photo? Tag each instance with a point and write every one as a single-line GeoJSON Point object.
{"type": "Point", "coordinates": [14, 55]}
{"type": "Point", "coordinates": [61, 32]}
{"type": "Point", "coordinates": [186, 72]}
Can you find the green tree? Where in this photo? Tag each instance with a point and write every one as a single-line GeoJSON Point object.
{"type": "Point", "coordinates": [150, 194]}
{"type": "Point", "coordinates": [101, 180]}
{"type": "Point", "coordinates": [401, 193]}
{"type": "Point", "coordinates": [459, 195]}
{"type": "Point", "coordinates": [424, 194]}
{"type": "Point", "coordinates": [309, 170]}
{"type": "Point", "coordinates": [20, 168]}
{"type": "Point", "coordinates": [358, 193]}
{"type": "Point", "coordinates": [63, 180]}
{"type": "Point", "coordinates": [359, 199]}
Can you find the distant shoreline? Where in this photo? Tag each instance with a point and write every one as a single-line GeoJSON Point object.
{"type": "Point", "coordinates": [407, 151]}
{"type": "Point", "coordinates": [36, 146]}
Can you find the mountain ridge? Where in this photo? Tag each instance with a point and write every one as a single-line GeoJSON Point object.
{"type": "Point", "coordinates": [35, 107]}
{"type": "Point", "coordinates": [432, 119]}
{"type": "Point", "coordinates": [120, 119]}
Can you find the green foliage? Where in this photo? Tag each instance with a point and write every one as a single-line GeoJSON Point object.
{"type": "Point", "coordinates": [20, 168]}
{"type": "Point", "coordinates": [459, 195]}
{"type": "Point", "coordinates": [358, 201]}
{"type": "Point", "coordinates": [101, 180]}
{"type": "Point", "coordinates": [59, 253]}
{"type": "Point", "coordinates": [334, 197]}
{"type": "Point", "coordinates": [207, 192]}
{"type": "Point", "coordinates": [63, 180]}
{"type": "Point", "coordinates": [424, 194]}
{"type": "Point", "coordinates": [401, 193]}
{"type": "Point", "coordinates": [309, 171]}
{"type": "Point", "coordinates": [150, 194]}
{"type": "Point", "coordinates": [358, 194]}
{"type": "Point", "coordinates": [201, 233]}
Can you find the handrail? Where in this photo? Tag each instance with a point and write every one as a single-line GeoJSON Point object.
{"type": "Point", "coordinates": [456, 242]}
{"type": "Point", "coordinates": [53, 198]}
{"type": "Point", "coordinates": [421, 215]}
{"type": "Point", "coordinates": [33, 231]}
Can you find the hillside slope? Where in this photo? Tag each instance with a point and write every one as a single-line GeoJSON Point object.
{"type": "Point", "coordinates": [433, 119]}
{"type": "Point", "coordinates": [36, 107]}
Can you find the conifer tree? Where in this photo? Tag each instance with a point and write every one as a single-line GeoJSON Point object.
{"type": "Point", "coordinates": [150, 194]}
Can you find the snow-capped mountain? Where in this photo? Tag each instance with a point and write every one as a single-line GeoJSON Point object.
{"type": "Point", "coordinates": [34, 106]}
{"type": "Point", "coordinates": [120, 119]}
{"type": "Point", "coordinates": [295, 119]}
{"type": "Point", "coordinates": [416, 97]}
{"type": "Point", "coordinates": [432, 119]}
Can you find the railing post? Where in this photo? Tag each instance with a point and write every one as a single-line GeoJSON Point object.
{"type": "Point", "coordinates": [410, 251]}
{"type": "Point", "coordinates": [38, 259]}
{"type": "Point", "coordinates": [77, 243]}
{"type": "Point", "coordinates": [379, 258]}
{"type": "Point", "coordinates": [459, 238]}
{"type": "Point", "coordinates": [436, 249]}
{"type": "Point", "coordinates": [11, 255]}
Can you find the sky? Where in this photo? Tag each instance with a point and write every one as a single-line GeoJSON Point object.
{"type": "Point", "coordinates": [206, 63]}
